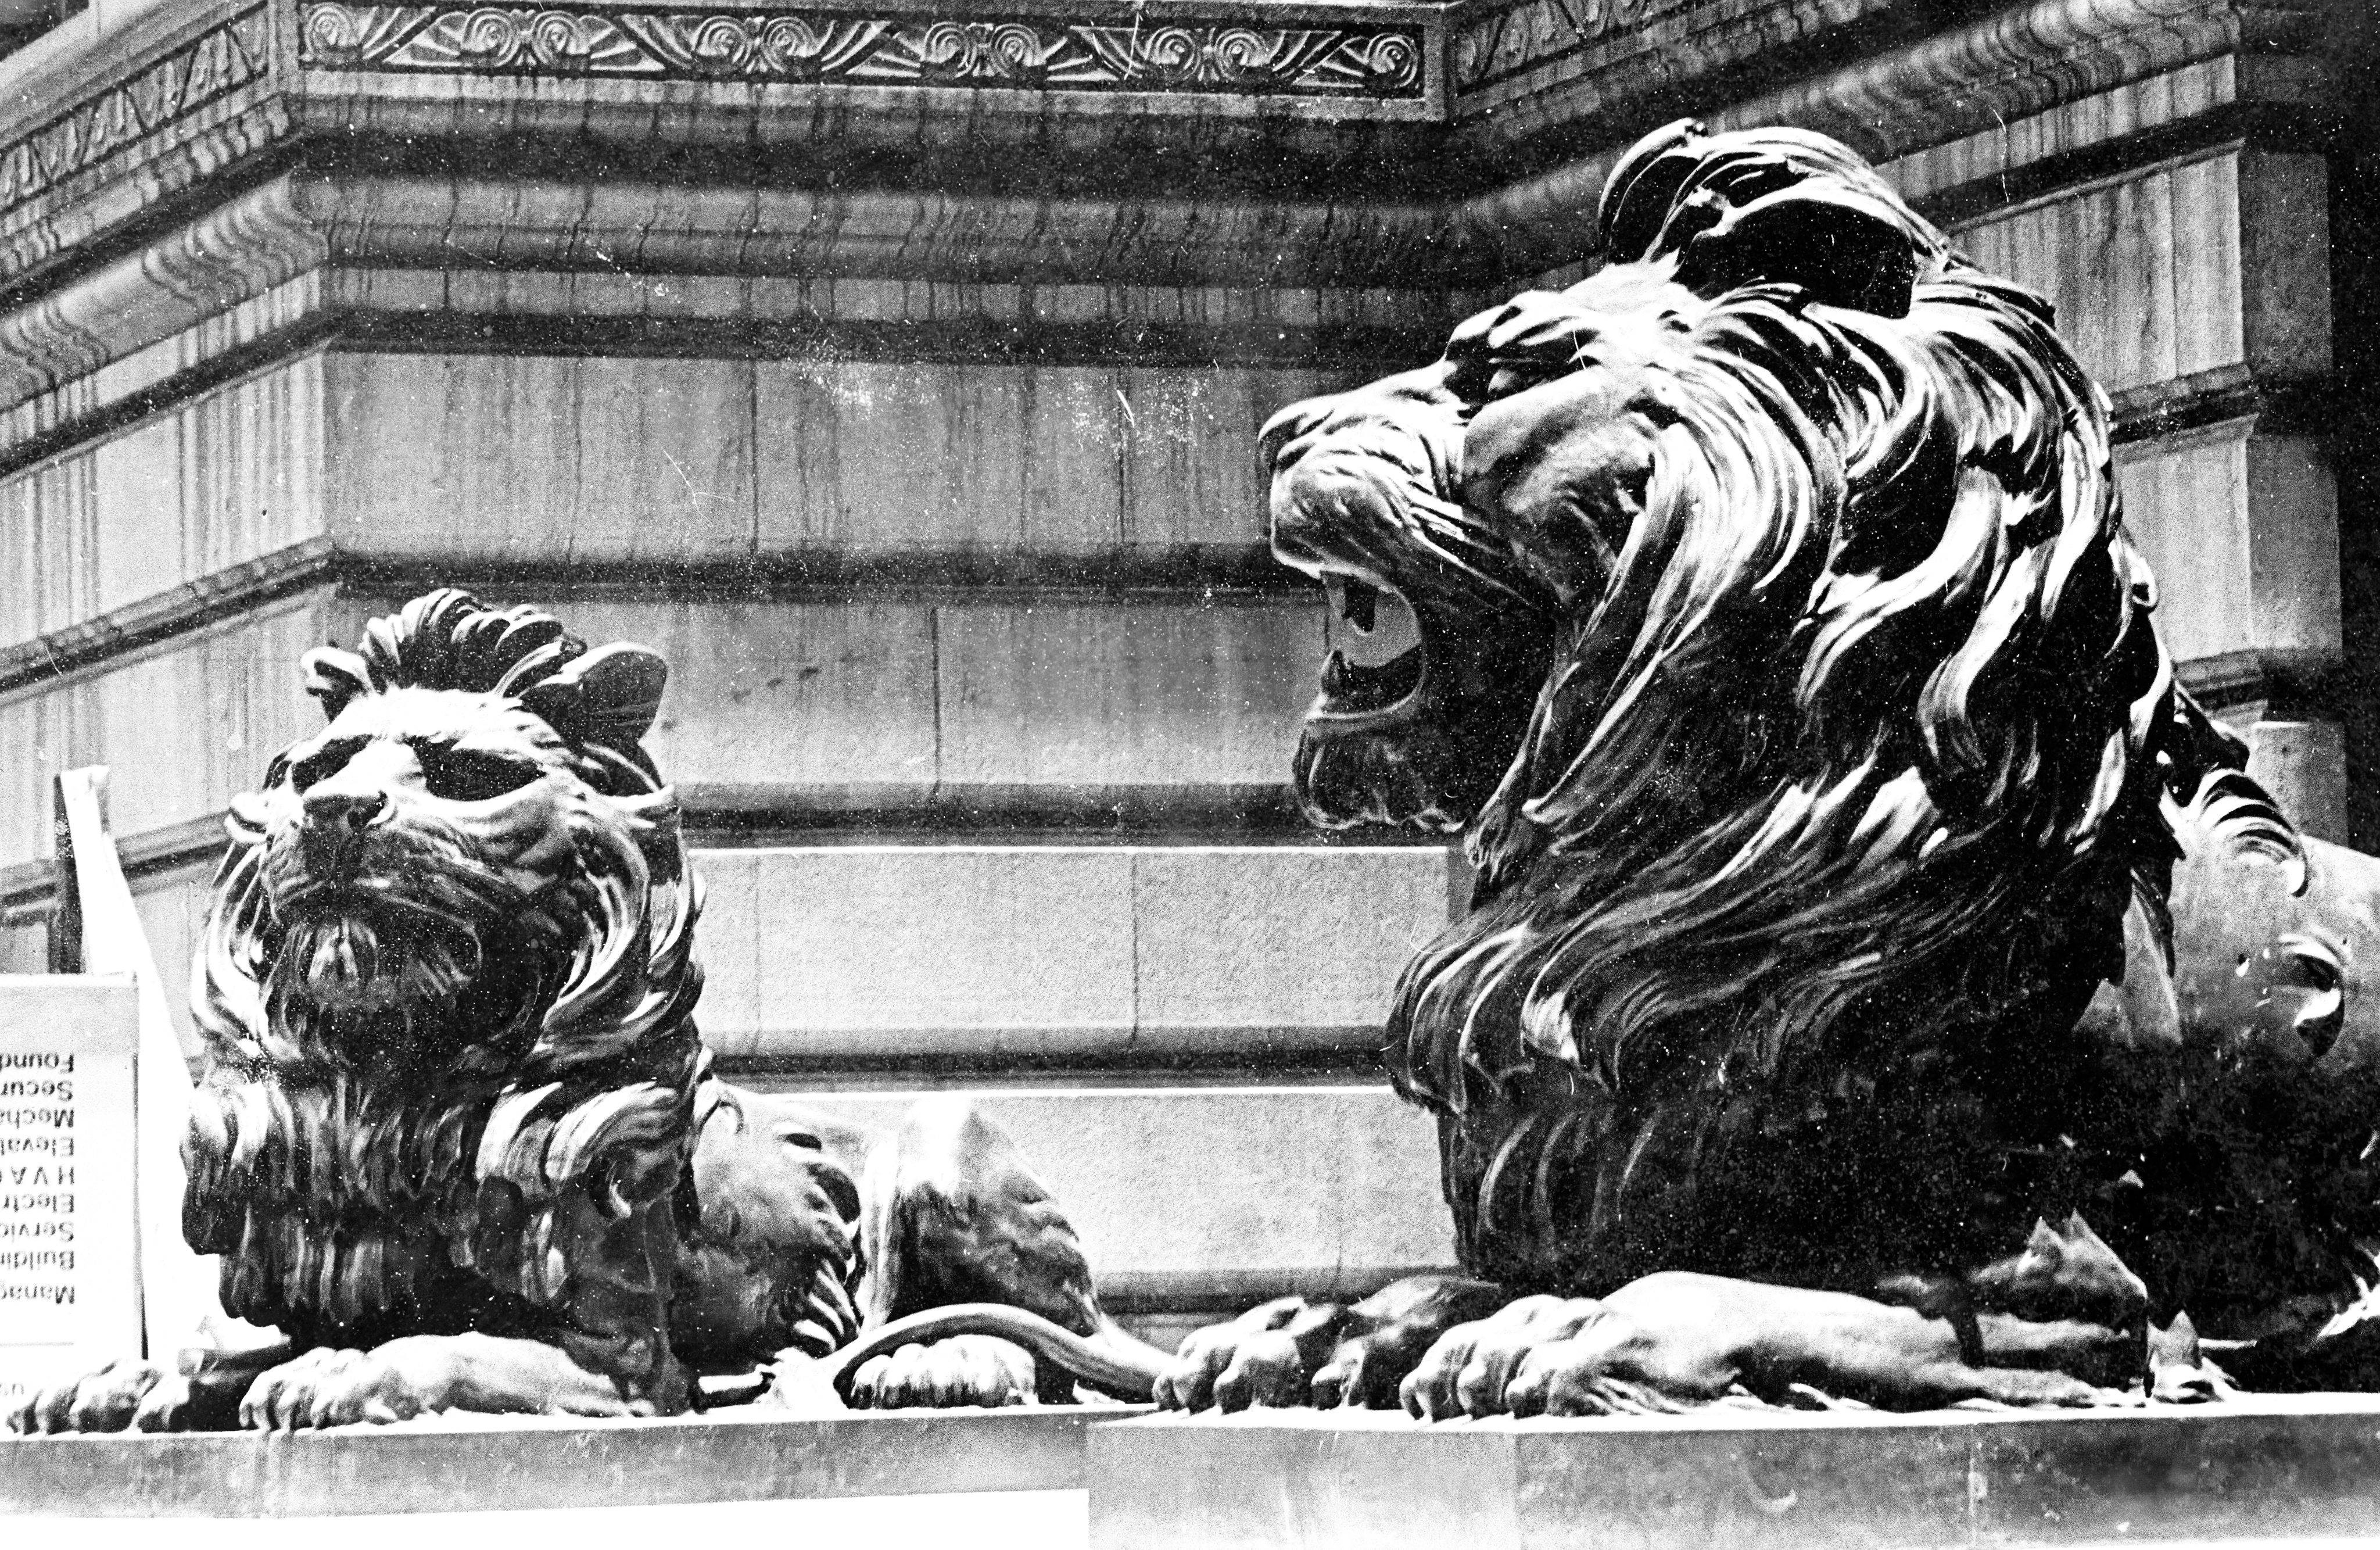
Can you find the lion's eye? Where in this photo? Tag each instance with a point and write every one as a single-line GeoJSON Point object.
{"type": "Point", "coordinates": [462, 774]}
{"type": "Point", "coordinates": [324, 762]}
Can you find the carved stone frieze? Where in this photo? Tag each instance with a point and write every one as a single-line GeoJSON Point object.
{"type": "Point", "coordinates": [1026, 52]}
{"type": "Point", "coordinates": [1502, 40]}
{"type": "Point", "coordinates": [88, 131]}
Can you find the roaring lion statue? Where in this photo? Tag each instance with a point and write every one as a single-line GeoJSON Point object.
{"type": "Point", "coordinates": [456, 1138]}
{"type": "Point", "coordinates": [1761, 607]}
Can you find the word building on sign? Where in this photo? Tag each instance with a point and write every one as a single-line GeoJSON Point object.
{"type": "Point", "coordinates": [69, 1294]}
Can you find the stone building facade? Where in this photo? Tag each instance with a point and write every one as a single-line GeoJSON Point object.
{"type": "Point", "coordinates": [895, 370]}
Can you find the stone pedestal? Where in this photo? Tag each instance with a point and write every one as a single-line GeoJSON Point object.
{"type": "Point", "coordinates": [483, 1464]}
{"type": "Point", "coordinates": [2268, 1471]}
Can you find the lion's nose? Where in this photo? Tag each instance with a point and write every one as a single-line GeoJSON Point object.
{"type": "Point", "coordinates": [343, 814]}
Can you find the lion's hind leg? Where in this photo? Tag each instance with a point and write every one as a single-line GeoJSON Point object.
{"type": "Point", "coordinates": [952, 1214]}
{"type": "Point", "coordinates": [1672, 1339]}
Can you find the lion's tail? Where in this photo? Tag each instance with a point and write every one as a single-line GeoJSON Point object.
{"type": "Point", "coordinates": [1112, 1361]}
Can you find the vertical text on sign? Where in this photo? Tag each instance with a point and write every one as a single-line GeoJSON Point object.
{"type": "Point", "coordinates": [69, 1297]}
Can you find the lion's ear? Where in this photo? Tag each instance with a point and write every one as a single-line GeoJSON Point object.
{"type": "Point", "coordinates": [1841, 245]}
{"type": "Point", "coordinates": [608, 696]}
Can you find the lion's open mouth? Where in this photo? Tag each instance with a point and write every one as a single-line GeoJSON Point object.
{"type": "Point", "coordinates": [1377, 661]}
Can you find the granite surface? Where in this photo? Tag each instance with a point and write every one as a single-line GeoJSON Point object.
{"type": "Point", "coordinates": [2269, 1468]}
{"type": "Point", "coordinates": [480, 1464]}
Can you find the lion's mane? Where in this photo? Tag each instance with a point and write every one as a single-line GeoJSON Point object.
{"type": "Point", "coordinates": [1844, 774]}
{"type": "Point", "coordinates": [366, 1171]}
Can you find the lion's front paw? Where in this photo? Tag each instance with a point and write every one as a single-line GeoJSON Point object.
{"type": "Point", "coordinates": [1232, 1367]}
{"type": "Point", "coordinates": [962, 1370]}
{"type": "Point", "coordinates": [1561, 1378]}
{"type": "Point", "coordinates": [106, 1400]}
{"type": "Point", "coordinates": [1367, 1372]}
{"type": "Point", "coordinates": [1467, 1371]}
{"type": "Point", "coordinates": [327, 1388]}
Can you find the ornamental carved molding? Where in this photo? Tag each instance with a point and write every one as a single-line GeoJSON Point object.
{"type": "Point", "coordinates": [211, 65]}
{"type": "Point", "coordinates": [1019, 53]}
{"type": "Point", "coordinates": [1504, 41]}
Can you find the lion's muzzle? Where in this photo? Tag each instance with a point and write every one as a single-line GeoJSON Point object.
{"type": "Point", "coordinates": [333, 832]}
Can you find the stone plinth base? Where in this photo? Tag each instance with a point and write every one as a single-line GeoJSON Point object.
{"type": "Point", "coordinates": [2267, 1468]}
{"type": "Point", "coordinates": [483, 1464]}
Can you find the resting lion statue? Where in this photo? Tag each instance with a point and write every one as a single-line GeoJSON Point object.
{"type": "Point", "coordinates": [1857, 893]}
{"type": "Point", "coordinates": [457, 1141]}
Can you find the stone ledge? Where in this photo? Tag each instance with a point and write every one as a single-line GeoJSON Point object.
{"type": "Point", "coordinates": [1204, 575]}
{"type": "Point", "coordinates": [458, 1464]}
{"type": "Point", "coordinates": [2272, 1467]}
{"type": "Point", "coordinates": [855, 955]}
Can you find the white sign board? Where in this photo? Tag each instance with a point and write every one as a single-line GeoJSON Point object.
{"type": "Point", "coordinates": [70, 1289]}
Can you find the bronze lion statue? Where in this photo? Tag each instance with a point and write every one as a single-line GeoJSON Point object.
{"type": "Point", "coordinates": [457, 1140]}
{"type": "Point", "coordinates": [1857, 893]}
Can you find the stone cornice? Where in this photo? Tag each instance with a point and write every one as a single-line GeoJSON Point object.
{"type": "Point", "coordinates": [241, 248]}
{"type": "Point", "coordinates": [2283, 407]}
{"type": "Point", "coordinates": [225, 594]}
{"type": "Point", "coordinates": [1520, 66]}
{"type": "Point", "coordinates": [189, 103]}
{"type": "Point", "coordinates": [89, 140]}
{"type": "Point", "coordinates": [1509, 55]}
{"type": "Point", "coordinates": [189, 92]}
{"type": "Point", "coordinates": [83, 342]}
{"type": "Point", "coordinates": [531, 223]}
{"type": "Point", "coordinates": [125, 114]}
{"type": "Point", "coordinates": [95, 135]}
{"type": "Point", "coordinates": [2010, 66]}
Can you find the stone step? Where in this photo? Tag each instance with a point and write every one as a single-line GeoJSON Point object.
{"type": "Point", "coordinates": [780, 712]}
{"type": "Point", "coordinates": [845, 958]}
{"type": "Point", "coordinates": [811, 704]}
{"type": "Point", "coordinates": [937, 959]}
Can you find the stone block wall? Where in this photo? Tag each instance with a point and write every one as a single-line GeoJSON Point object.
{"type": "Point", "coordinates": [905, 398]}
